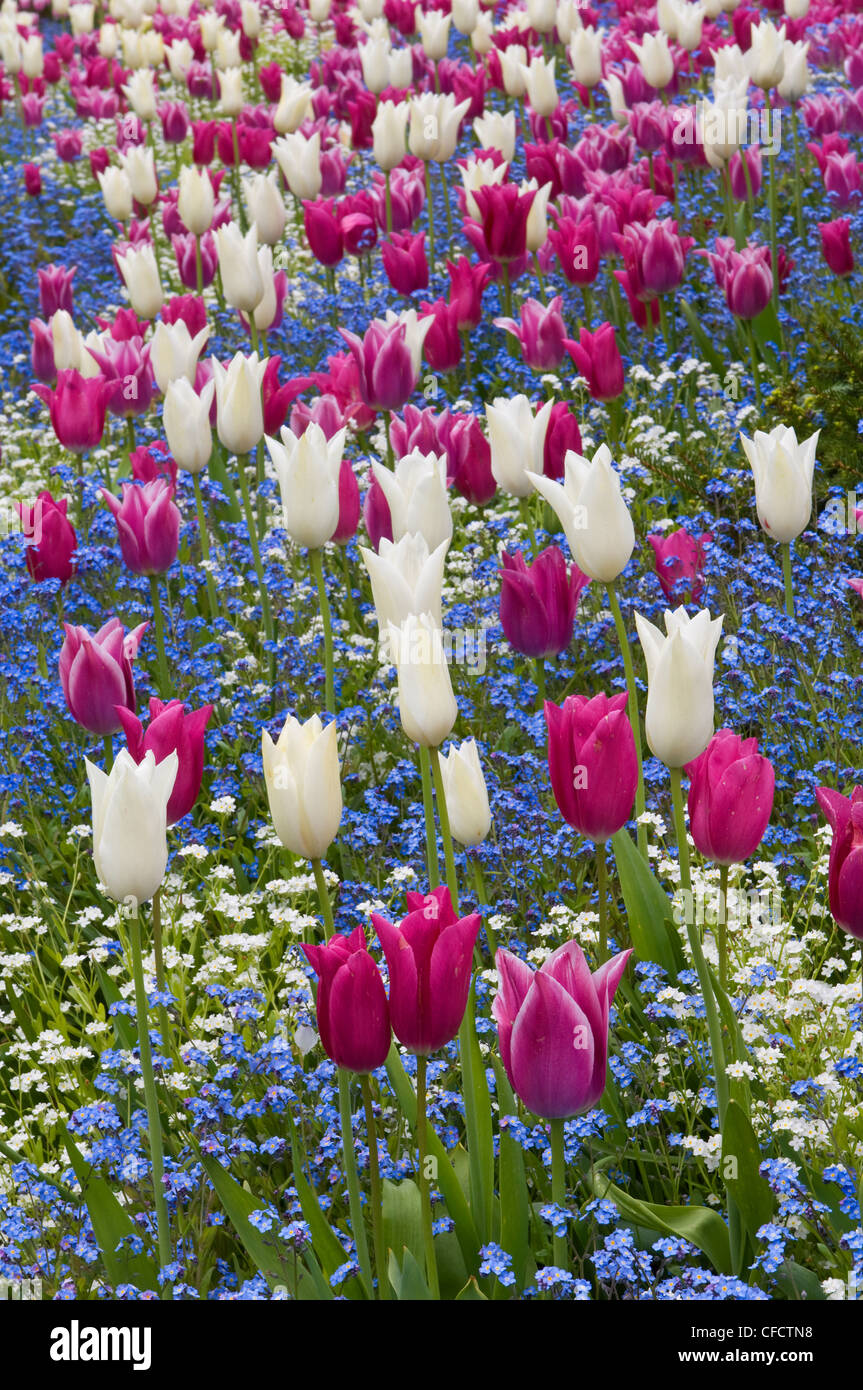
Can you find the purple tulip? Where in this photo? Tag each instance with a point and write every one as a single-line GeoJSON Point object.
{"type": "Point", "coordinates": [678, 556]}
{"type": "Point", "coordinates": [404, 261]}
{"type": "Point", "coordinates": [845, 875]}
{"type": "Point", "coordinates": [51, 538]}
{"type": "Point", "coordinates": [55, 289]}
{"type": "Point", "coordinates": [730, 798]}
{"type": "Point", "coordinates": [597, 357]}
{"type": "Point", "coordinates": [538, 602]}
{"type": "Point", "coordinates": [737, 173]}
{"type": "Point", "coordinates": [349, 504]}
{"type": "Point", "coordinates": [552, 1027]}
{"type": "Point", "coordinates": [352, 1012]}
{"type": "Point", "coordinates": [387, 375]}
{"type": "Point", "coordinates": [562, 435]}
{"type": "Point", "coordinates": [541, 333]}
{"type": "Point", "coordinates": [148, 525]}
{"type": "Point", "coordinates": [96, 674]}
{"type": "Point", "coordinates": [592, 763]}
{"type": "Point", "coordinates": [77, 405]}
{"type": "Point", "coordinates": [429, 957]}
{"type": "Point", "coordinates": [125, 366]}
{"type": "Point", "coordinates": [835, 247]}
{"type": "Point", "coordinates": [42, 352]}
{"type": "Point", "coordinates": [171, 730]}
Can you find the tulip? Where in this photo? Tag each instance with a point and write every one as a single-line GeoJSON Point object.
{"type": "Point", "coordinates": [299, 159]}
{"type": "Point", "coordinates": [416, 494]}
{"type": "Point", "coordinates": [591, 508]}
{"type": "Point", "coordinates": [388, 134]}
{"type": "Point", "coordinates": [32, 180]}
{"type": "Point", "coordinates": [239, 409]}
{"type": "Point", "coordinates": [679, 715]}
{"type": "Point", "coordinates": [266, 207]}
{"type": "Point", "coordinates": [238, 263]}
{"type": "Point", "coordinates": [351, 1004]}
{"type": "Point", "coordinates": [186, 421]}
{"type": "Point", "coordinates": [592, 762]}
{"type": "Point", "coordinates": [541, 333]}
{"type": "Point", "coordinates": [766, 56]}
{"type": "Point", "coordinates": [349, 505]}
{"type": "Point", "coordinates": [196, 202]}
{"type": "Point", "coordinates": [171, 731]}
{"type": "Point", "coordinates": [406, 578]}
{"type": "Point", "coordinates": [42, 362]}
{"type": "Point", "coordinates": [503, 215]}
{"type": "Point", "coordinates": [517, 439]}
{"type": "Point", "coordinates": [388, 371]}
{"type": "Point", "coordinates": [679, 557]}
{"type": "Point", "coordinates": [783, 472]}
{"type": "Point", "coordinates": [429, 958]}
{"type": "Point", "coordinates": [427, 706]}
{"type": "Point", "coordinates": [597, 357]}
{"type": "Point", "coordinates": [845, 817]}
{"type": "Point", "coordinates": [77, 405]}
{"type": "Point", "coordinates": [137, 265]}
{"type": "Point", "coordinates": [836, 245]}
{"type": "Point", "coordinates": [553, 1029]}
{"type": "Point", "coordinates": [125, 365]}
{"type": "Point", "coordinates": [495, 131]}
{"type": "Point", "coordinates": [466, 794]}
{"type": "Point", "coordinates": [538, 602]}
{"type": "Point", "coordinates": [308, 469]}
{"type": "Point", "coordinates": [730, 798]}
{"type": "Point", "coordinates": [51, 538]}
{"type": "Point", "coordinates": [117, 193]}
{"type": "Point", "coordinates": [174, 353]}
{"type": "Point", "coordinates": [138, 164]}
{"type": "Point", "coordinates": [540, 86]}
{"type": "Point", "coordinates": [293, 106]}
{"type": "Point", "coordinates": [148, 525]}
{"type": "Point", "coordinates": [55, 289]}
{"type": "Point", "coordinates": [304, 791]}
{"type": "Point", "coordinates": [96, 674]}
{"type": "Point", "coordinates": [585, 56]}
{"type": "Point", "coordinates": [404, 262]}
{"type": "Point", "coordinates": [561, 436]}
{"type": "Point", "coordinates": [130, 848]}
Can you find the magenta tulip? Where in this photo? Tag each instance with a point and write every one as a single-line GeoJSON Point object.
{"type": "Point", "coordinates": [55, 289]}
{"type": "Point", "coordinates": [466, 283]}
{"type": "Point", "coordinates": [592, 763]}
{"type": "Point", "coordinates": [171, 730]}
{"type": "Point", "coordinates": [349, 504]}
{"type": "Point", "coordinates": [845, 875]}
{"type": "Point", "coordinates": [679, 556]}
{"type": "Point", "coordinates": [404, 261]}
{"type": "Point", "coordinates": [77, 405]}
{"type": "Point", "coordinates": [51, 538]}
{"type": "Point", "coordinates": [538, 602]}
{"type": "Point", "coordinates": [429, 959]}
{"type": "Point", "coordinates": [96, 674]}
{"type": "Point", "coordinates": [730, 798]}
{"type": "Point", "coordinates": [387, 375]}
{"type": "Point", "coordinates": [562, 435]}
{"type": "Point", "coordinates": [597, 357]}
{"type": "Point", "coordinates": [125, 365]}
{"type": "Point", "coordinates": [552, 1027]}
{"type": "Point", "coordinates": [835, 246]}
{"type": "Point", "coordinates": [42, 352]}
{"type": "Point", "coordinates": [148, 525]}
{"type": "Point", "coordinates": [352, 1012]}
{"type": "Point", "coordinates": [541, 333]}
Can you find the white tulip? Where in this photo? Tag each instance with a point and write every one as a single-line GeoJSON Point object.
{"type": "Point", "coordinates": [375, 61]}
{"type": "Point", "coordinates": [417, 496]}
{"type": "Point", "coordinates": [116, 192]}
{"type": "Point", "coordinates": [617, 100]}
{"type": "Point", "coordinates": [266, 207]}
{"type": "Point", "coordinates": [512, 65]}
{"type": "Point", "coordinates": [406, 578]}
{"type": "Point", "coordinates": [678, 721]}
{"type": "Point", "coordinates": [307, 467]}
{"type": "Point", "coordinates": [139, 167]}
{"type": "Point", "coordinates": [496, 131]}
{"type": "Point", "coordinates": [654, 59]}
{"type": "Point", "coordinates": [427, 706]}
{"type": "Point", "coordinates": [401, 68]}
{"type": "Point", "coordinates": [479, 173]}
{"type": "Point", "coordinates": [783, 472]}
{"type": "Point", "coordinates": [238, 262]}
{"type": "Point", "coordinates": [796, 9]}
{"type": "Point", "coordinates": [465, 14]}
{"type": "Point", "coordinates": [186, 422]}
{"type": "Point", "coordinates": [434, 33]}
{"type": "Point", "coordinates": [388, 134]}
{"type": "Point", "coordinates": [320, 10]}
{"type": "Point", "coordinates": [766, 56]}
{"type": "Point", "coordinates": [130, 847]}
{"type": "Point", "coordinates": [434, 125]}
{"type": "Point", "coordinates": [537, 218]}
{"type": "Point", "coordinates": [796, 77]}
{"type": "Point", "coordinates": [481, 36]}
{"type": "Point", "coordinates": [227, 59]}
{"type": "Point", "coordinates": [299, 159]}
{"type": "Point", "coordinates": [690, 21]}
{"type": "Point", "coordinates": [231, 91]}
{"type": "Point", "coordinates": [174, 353]}
{"type": "Point", "coordinates": [181, 56]}
{"type": "Point", "coordinates": [517, 439]}
{"type": "Point", "coordinates": [250, 18]}
{"type": "Point", "coordinates": [591, 509]}
{"type": "Point", "coordinates": [141, 277]}
{"type": "Point", "coordinates": [540, 84]}
{"type": "Point", "coordinates": [585, 56]}
{"type": "Point", "coordinates": [66, 340]}
{"type": "Point", "coordinates": [239, 408]}
{"type": "Point", "coordinates": [140, 93]}
{"type": "Point", "coordinates": [196, 201]}
{"type": "Point", "coordinates": [466, 794]}
{"type": "Point", "coordinates": [541, 15]}
{"type": "Point", "coordinates": [294, 103]}
{"type": "Point", "coordinates": [304, 789]}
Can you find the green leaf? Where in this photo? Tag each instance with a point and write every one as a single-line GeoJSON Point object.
{"type": "Point", "coordinates": [477, 1107]}
{"type": "Point", "coordinates": [699, 1225]}
{"type": "Point", "coordinates": [325, 1244]}
{"type": "Point", "coordinates": [471, 1293]}
{"type": "Point", "coordinates": [768, 336]}
{"type": "Point", "coordinates": [514, 1201]}
{"type": "Point", "coordinates": [648, 910]}
{"type": "Point", "coordinates": [750, 1191]}
{"type": "Point", "coordinates": [111, 1224]}
{"type": "Point", "coordinates": [125, 1034]}
{"type": "Point", "coordinates": [799, 1284]}
{"type": "Point", "coordinates": [705, 345]}
{"type": "Point", "coordinates": [407, 1280]}
{"type": "Point", "coordinates": [402, 1216]}
{"type": "Point", "coordinates": [266, 1251]}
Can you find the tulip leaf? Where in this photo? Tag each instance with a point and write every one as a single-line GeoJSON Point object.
{"type": "Point", "coordinates": [514, 1201]}
{"type": "Point", "coordinates": [648, 910]}
{"type": "Point", "coordinates": [471, 1293]}
{"type": "Point", "coordinates": [477, 1109]}
{"type": "Point", "coordinates": [326, 1246]}
{"type": "Point", "coordinates": [768, 335]}
{"type": "Point", "coordinates": [456, 1202]}
{"type": "Point", "coordinates": [705, 346]}
{"type": "Point", "coordinates": [798, 1284]}
{"type": "Point", "coordinates": [741, 1157]}
{"type": "Point", "coordinates": [402, 1216]}
{"type": "Point", "coordinates": [275, 1263]}
{"type": "Point", "coordinates": [123, 1031]}
{"type": "Point", "coordinates": [699, 1225]}
{"type": "Point", "coordinates": [407, 1280]}
{"type": "Point", "coordinates": [111, 1225]}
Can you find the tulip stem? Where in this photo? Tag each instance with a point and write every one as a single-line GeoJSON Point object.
{"type": "Point", "coordinates": [722, 926]}
{"type": "Point", "coordinates": [527, 518]}
{"type": "Point", "coordinates": [346, 573]}
{"type": "Point", "coordinates": [714, 1026]}
{"type": "Point", "coordinates": [324, 899]}
{"type": "Point", "coordinates": [164, 679]}
{"type": "Point", "coordinates": [428, 1233]}
{"type": "Point", "coordinates": [602, 890]}
{"type": "Point", "coordinates": [256, 549]}
{"type": "Point", "coordinates": [774, 263]}
{"type": "Point", "coordinates": [357, 1222]}
{"type": "Point", "coordinates": [558, 1187]}
{"type": "Point", "coordinates": [109, 752]}
{"type": "Point", "coordinates": [324, 603]}
{"type": "Point", "coordinates": [753, 353]}
{"type": "Point", "coordinates": [540, 682]}
{"type": "Point", "coordinates": [786, 574]}
{"type": "Point", "coordinates": [446, 836]}
{"type": "Point", "coordinates": [795, 142]}
{"type": "Point", "coordinates": [154, 1126]}
{"type": "Point", "coordinates": [634, 717]}
{"type": "Point", "coordinates": [431, 215]}
{"type": "Point", "coordinates": [389, 202]}
{"type": "Point", "coordinates": [375, 1184]}
{"type": "Point", "coordinates": [203, 536]}
{"type": "Point", "coordinates": [482, 897]}
{"type": "Point", "coordinates": [428, 809]}
{"type": "Point", "coordinates": [167, 1033]}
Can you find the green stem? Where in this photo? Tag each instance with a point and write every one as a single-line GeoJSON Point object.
{"type": "Point", "coordinates": [431, 215]}
{"type": "Point", "coordinates": [323, 899]}
{"type": "Point", "coordinates": [753, 353]}
{"type": "Point", "coordinates": [324, 603]}
{"type": "Point", "coordinates": [154, 1124]}
{"type": "Point", "coordinates": [256, 549]}
{"type": "Point", "coordinates": [203, 536]}
{"type": "Point", "coordinates": [446, 836]}
{"type": "Point", "coordinates": [786, 575]}
{"type": "Point", "coordinates": [428, 809]}
{"type": "Point", "coordinates": [109, 752]}
{"type": "Point", "coordinates": [164, 1020]}
{"type": "Point", "coordinates": [199, 268]}
{"type": "Point", "coordinates": [482, 897]}
{"type": "Point", "coordinates": [539, 666]}
{"type": "Point", "coordinates": [376, 1197]}
{"type": "Point", "coordinates": [425, 1192]}
{"type": "Point", "coordinates": [798, 206]}
{"type": "Point", "coordinates": [164, 678]}
{"type": "Point", "coordinates": [527, 518]}
{"type": "Point", "coordinates": [722, 926]}
{"type": "Point", "coordinates": [356, 1207]}
{"type": "Point", "coordinates": [773, 234]}
{"type": "Point", "coordinates": [714, 1026]}
{"type": "Point", "coordinates": [558, 1186]}
{"type": "Point", "coordinates": [632, 707]}
{"type": "Point", "coordinates": [602, 889]}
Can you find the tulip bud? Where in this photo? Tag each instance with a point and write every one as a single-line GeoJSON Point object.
{"type": "Point", "coordinates": [783, 472]}
{"type": "Point", "coordinates": [592, 763]}
{"type": "Point", "coordinates": [517, 439]}
{"type": "Point", "coordinates": [416, 493]}
{"type": "Point", "coordinates": [196, 200]}
{"type": "Point", "coordinates": [679, 716]}
{"type": "Point", "coordinates": [427, 706]}
{"type": "Point", "coordinates": [406, 578]}
{"type": "Point", "coordinates": [238, 262]}
{"type": "Point", "coordinates": [130, 848]}
{"type": "Point", "coordinates": [301, 772]}
{"type": "Point", "coordinates": [351, 1004]}
{"type": "Point", "coordinates": [730, 798]}
{"type": "Point", "coordinates": [845, 816]}
{"type": "Point", "coordinates": [308, 469]}
{"type": "Point", "coordinates": [465, 793]}
{"type": "Point", "coordinates": [186, 421]}
{"type": "Point", "coordinates": [140, 275]}
{"type": "Point", "coordinates": [239, 408]}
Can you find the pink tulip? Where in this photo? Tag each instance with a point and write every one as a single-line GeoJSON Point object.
{"type": "Point", "coordinates": [404, 261]}
{"type": "Point", "coordinates": [538, 602]}
{"type": "Point", "coordinates": [387, 376]}
{"type": "Point", "coordinates": [376, 515]}
{"type": "Point", "coordinates": [678, 556]}
{"type": "Point", "coordinates": [42, 352]}
{"type": "Point", "coordinates": [552, 1027]}
{"type": "Point", "coordinates": [562, 435]}
{"type": "Point", "coordinates": [55, 289]}
{"type": "Point", "coordinates": [592, 763]}
{"type": "Point", "coordinates": [654, 257]}
{"type": "Point", "coordinates": [576, 245]}
{"type": "Point", "coordinates": [442, 345]}
{"type": "Point", "coordinates": [171, 730]}
{"type": "Point", "coordinates": [349, 504]}
{"type": "Point", "coordinates": [148, 525]}
{"type": "Point", "coordinates": [125, 365]}
{"type": "Point", "coordinates": [466, 283]}
{"type": "Point", "coordinates": [96, 674]}
{"type": "Point", "coordinates": [503, 220]}
{"type": "Point", "coordinates": [429, 958]}
{"type": "Point", "coordinates": [835, 246]}
{"type": "Point", "coordinates": [842, 179]}
{"type": "Point", "coordinates": [737, 173]}
{"type": "Point", "coordinates": [352, 1011]}
{"type": "Point", "coordinates": [51, 538]}
{"type": "Point", "coordinates": [845, 875]}
{"type": "Point", "coordinates": [323, 231]}
{"type": "Point", "coordinates": [597, 357]}
{"type": "Point", "coordinates": [77, 406]}
{"type": "Point", "coordinates": [730, 798]}
{"type": "Point", "coordinates": [469, 461]}
{"type": "Point", "coordinates": [541, 333]}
